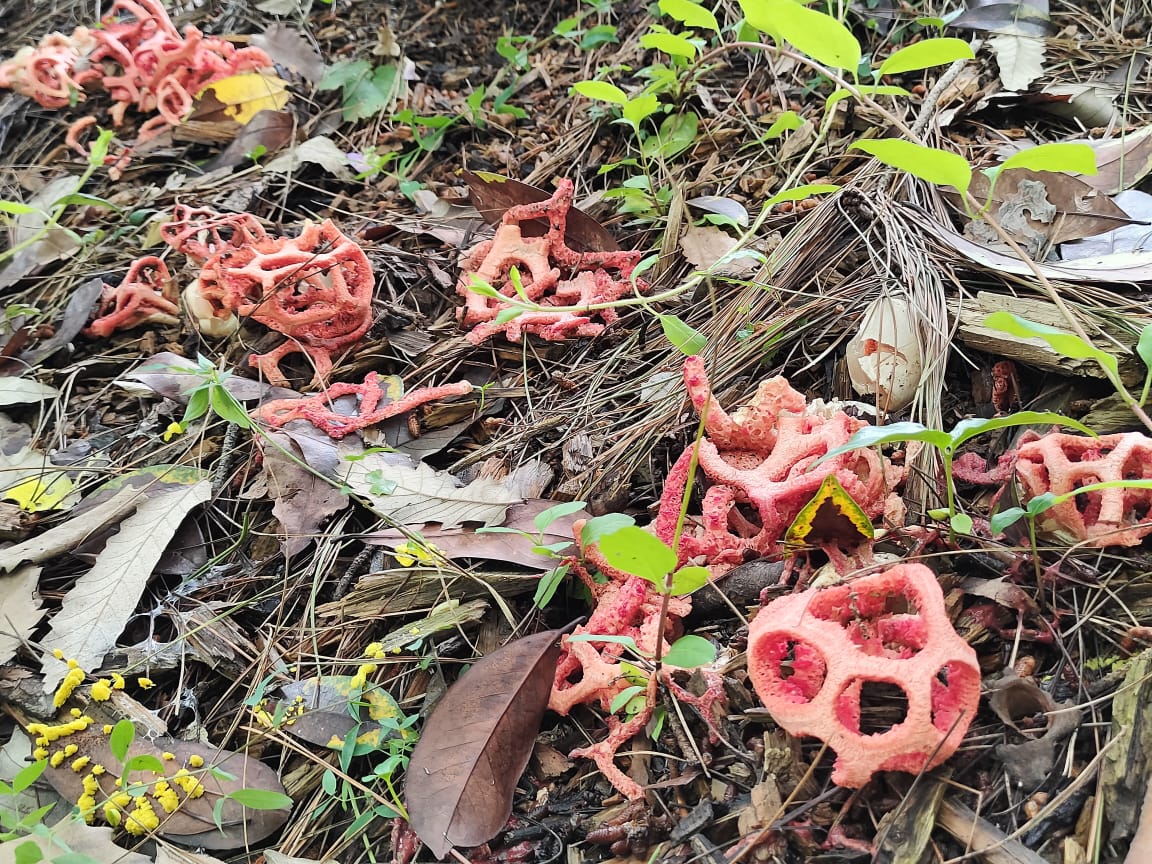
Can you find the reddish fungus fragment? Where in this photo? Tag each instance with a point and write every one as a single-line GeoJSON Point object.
{"type": "Point", "coordinates": [1061, 463]}
{"type": "Point", "coordinates": [552, 275]}
{"type": "Point", "coordinates": [317, 410]}
{"type": "Point", "coordinates": [810, 656]}
{"type": "Point", "coordinates": [146, 295]}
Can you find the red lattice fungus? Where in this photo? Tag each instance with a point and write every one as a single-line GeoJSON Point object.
{"type": "Point", "coordinates": [146, 295]}
{"type": "Point", "coordinates": [811, 655]}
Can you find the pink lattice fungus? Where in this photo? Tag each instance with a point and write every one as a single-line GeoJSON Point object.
{"type": "Point", "coordinates": [552, 274]}
{"type": "Point", "coordinates": [759, 466]}
{"type": "Point", "coordinates": [316, 289]}
{"type": "Point", "coordinates": [1061, 463]}
{"type": "Point", "coordinates": [811, 656]}
{"type": "Point", "coordinates": [146, 295]}
{"type": "Point", "coordinates": [317, 409]}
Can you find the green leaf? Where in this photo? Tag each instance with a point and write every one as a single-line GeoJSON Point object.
{"type": "Point", "coordinates": [867, 90]}
{"type": "Point", "coordinates": [1144, 346]}
{"type": "Point", "coordinates": [820, 36]}
{"type": "Point", "coordinates": [144, 762]}
{"type": "Point", "coordinates": [689, 579]}
{"type": "Point", "coordinates": [80, 199]}
{"type": "Point", "coordinates": [506, 315]}
{"type": "Point", "coordinates": [478, 286]}
{"type": "Point", "coordinates": [328, 781]}
{"type": "Point", "coordinates": [261, 799]}
{"type": "Point", "coordinates": [925, 54]}
{"type": "Point", "coordinates": [960, 523]}
{"type": "Point", "coordinates": [688, 652]}
{"type": "Point", "coordinates": [1042, 502]}
{"type": "Point", "coordinates": [973, 426]}
{"type": "Point", "coordinates": [557, 511]}
{"type": "Point", "coordinates": [637, 109]}
{"type": "Point", "coordinates": [1005, 519]}
{"type": "Point", "coordinates": [226, 406]}
{"type": "Point", "coordinates": [871, 436]}
{"type": "Point", "coordinates": [801, 193]}
{"type": "Point", "coordinates": [627, 641]}
{"type": "Point", "coordinates": [1078, 158]}
{"type": "Point", "coordinates": [682, 337]}
{"type": "Point", "coordinates": [16, 208]}
{"type": "Point", "coordinates": [676, 134]}
{"type": "Point", "coordinates": [123, 734]}
{"type": "Point", "coordinates": [549, 582]}
{"type": "Point", "coordinates": [342, 73]}
{"type": "Point", "coordinates": [624, 697]}
{"type": "Point", "coordinates": [638, 553]}
{"type": "Point", "coordinates": [936, 166]}
{"type": "Point", "coordinates": [786, 122]}
{"type": "Point", "coordinates": [601, 526]}
{"type": "Point", "coordinates": [28, 853]}
{"type": "Point", "coordinates": [28, 775]}
{"type": "Point", "coordinates": [690, 14]}
{"type": "Point", "coordinates": [602, 91]}
{"type": "Point", "coordinates": [1065, 343]}
{"type": "Point", "coordinates": [669, 43]}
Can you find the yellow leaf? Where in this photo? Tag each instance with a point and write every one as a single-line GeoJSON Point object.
{"type": "Point", "coordinates": [46, 492]}
{"type": "Point", "coordinates": [832, 516]}
{"type": "Point", "coordinates": [248, 93]}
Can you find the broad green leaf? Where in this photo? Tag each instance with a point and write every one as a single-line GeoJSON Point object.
{"type": "Point", "coordinates": [506, 315]}
{"type": "Point", "coordinates": [690, 14]}
{"type": "Point", "coordinates": [28, 775]}
{"type": "Point", "coordinates": [925, 54]}
{"type": "Point", "coordinates": [226, 406]}
{"type": "Point", "coordinates": [1005, 519]}
{"type": "Point", "coordinates": [669, 43]}
{"type": "Point", "coordinates": [786, 122]}
{"type": "Point", "coordinates": [1144, 346]}
{"type": "Point", "coordinates": [801, 193]}
{"type": "Point", "coordinates": [967, 429]}
{"type": "Point", "coordinates": [478, 286]}
{"type": "Point", "coordinates": [549, 582]}
{"type": "Point", "coordinates": [601, 526]}
{"type": "Point", "coordinates": [601, 90]}
{"type": "Point", "coordinates": [123, 733]}
{"type": "Point", "coordinates": [16, 208]}
{"type": "Point", "coordinates": [636, 110]}
{"type": "Point", "coordinates": [261, 799]}
{"type": "Point", "coordinates": [1042, 502]}
{"type": "Point", "coordinates": [867, 90]}
{"type": "Point", "coordinates": [144, 762]}
{"type": "Point", "coordinates": [1068, 344]}
{"type": "Point", "coordinates": [342, 73]}
{"type": "Point", "coordinates": [689, 579]}
{"type": "Point", "coordinates": [960, 523]}
{"type": "Point", "coordinates": [635, 551]}
{"type": "Point", "coordinates": [624, 697]}
{"type": "Point", "coordinates": [936, 166]}
{"type": "Point", "coordinates": [871, 436]}
{"type": "Point", "coordinates": [689, 652]}
{"type": "Point", "coordinates": [557, 511]}
{"type": "Point", "coordinates": [627, 641]}
{"type": "Point", "coordinates": [1078, 158]}
{"type": "Point", "coordinates": [820, 36]}
{"type": "Point", "coordinates": [677, 133]}
{"type": "Point", "coordinates": [683, 337]}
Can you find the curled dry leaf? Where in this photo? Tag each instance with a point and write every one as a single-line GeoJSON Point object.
{"type": "Point", "coordinates": [477, 742]}
{"type": "Point", "coordinates": [20, 610]}
{"type": "Point", "coordinates": [1013, 699]}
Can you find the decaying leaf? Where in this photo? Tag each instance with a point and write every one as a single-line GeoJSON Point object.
{"type": "Point", "coordinates": [192, 824]}
{"type": "Point", "coordinates": [95, 611]}
{"type": "Point", "coordinates": [514, 548]}
{"type": "Point", "coordinates": [318, 710]}
{"type": "Point", "coordinates": [411, 493]}
{"type": "Point", "coordinates": [319, 150]}
{"type": "Point", "coordinates": [704, 245]}
{"type": "Point", "coordinates": [1019, 57]}
{"type": "Point", "coordinates": [1013, 699]}
{"type": "Point", "coordinates": [20, 610]}
{"type": "Point", "coordinates": [1136, 237]}
{"type": "Point", "coordinates": [1121, 162]}
{"type": "Point", "coordinates": [246, 94]}
{"type": "Point", "coordinates": [267, 132]}
{"type": "Point", "coordinates": [831, 518]}
{"type": "Point", "coordinates": [476, 743]}
{"type": "Point", "coordinates": [174, 377]}
{"type": "Point", "coordinates": [56, 244]}
{"type": "Point", "coordinates": [26, 475]}
{"type": "Point", "coordinates": [492, 194]}
{"type": "Point", "coordinates": [288, 47]}
{"type": "Point", "coordinates": [21, 391]}
{"type": "Point", "coordinates": [1124, 775]}
{"type": "Point", "coordinates": [84, 842]}
{"type": "Point", "coordinates": [302, 501]}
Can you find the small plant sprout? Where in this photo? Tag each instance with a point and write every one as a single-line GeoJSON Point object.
{"type": "Point", "coordinates": [551, 580]}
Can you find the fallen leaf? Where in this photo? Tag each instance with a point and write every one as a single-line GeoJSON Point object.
{"type": "Point", "coordinates": [175, 377]}
{"type": "Point", "coordinates": [271, 856]}
{"type": "Point", "coordinates": [83, 842]}
{"type": "Point", "coordinates": [1014, 699]}
{"type": "Point", "coordinates": [1019, 57]}
{"type": "Point", "coordinates": [721, 206]}
{"type": "Point", "coordinates": [285, 7]}
{"type": "Point", "coordinates": [319, 150]}
{"type": "Point", "coordinates": [1136, 237]}
{"type": "Point", "coordinates": [20, 610]}
{"type": "Point", "coordinates": [56, 244]}
{"type": "Point", "coordinates": [166, 854]}
{"type": "Point", "coordinates": [248, 93]}
{"type": "Point", "coordinates": [95, 611]}
{"type": "Point", "coordinates": [302, 501]}
{"type": "Point", "coordinates": [411, 493]}
{"type": "Point", "coordinates": [76, 314]}
{"type": "Point", "coordinates": [1030, 17]}
{"type": "Point", "coordinates": [476, 743]}
{"type": "Point", "coordinates": [492, 194]}
{"type": "Point", "coordinates": [319, 710]}
{"type": "Point", "coordinates": [831, 518]}
{"type": "Point", "coordinates": [513, 548]}
{"type": "Point", "coordinates": [1121, 162]}
{"type": "Point", "coordinates": [192, 824]}
{"type": "Point", "coordinates": [289, 48]}
{"type": "Point", "coordinates": [67, 536]}
{"type": "Point", "coordinates": [1001, 591]}
{"type": "Point", "coordinates": [704, 245]}
{"type": "Point", "coordinates": [267, 132]}
{"type": "Point", "coordinates": [26, 475]}
{"type": "Point", "coordinates": [21, 391]}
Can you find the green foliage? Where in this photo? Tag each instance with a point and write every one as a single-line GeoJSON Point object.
{"type": "Point", "coordinates": [690, 14]}
{"type": "Point", "coordinates": [928, 163]}
{"type": "Point", "coordinates": [1077, 158]}
{"type": "Point", "coordinates": [366, 90]}
{"type": "Point", "coordinates": [924, 55]}
{"type": "Point", "coordinates": [550, 581]}
{"type": "Point", "coordinates": [690, 652]}
{"type": "Point", "coordinates": [820, 36]}
{"type": "Point", "coordinates": [212, 393]}
{"type": "Point", "coordinates": [687, 340]}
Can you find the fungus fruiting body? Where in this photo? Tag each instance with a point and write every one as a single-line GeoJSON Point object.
{"type": "Point", "coordinates": [810, 656]}
{"type": "Point", "coordinates": [146, 295]}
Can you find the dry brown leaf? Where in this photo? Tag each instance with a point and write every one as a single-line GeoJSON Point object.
{"type": "Point", "coordinates": [288, 47]}
{"type": "Point", "coordinates": [56, 244]}
{"type": "Point", "coordinates": [704, 245]}
{"type": "Point", "coordinates": [20, 610]}
{"type": "Point", "coordinates": [302, 501]}
{"type": "Point", "coordinates": [1019, 56]}
{"type": "Point", "coordinates": [1014, 699]}
{"type": "Point", "coordinates": [95, 611]}
{"type": "Point", "coordinates": [87, 841]}
{"type": "Point", "coordinates": [26, 474]}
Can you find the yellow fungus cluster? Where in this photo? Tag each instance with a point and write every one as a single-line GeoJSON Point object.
{"type": "Point", "coordinates": [145, 683]}
{"type": "Point", "coordinates": [142, 819]}
{"type": "Point", "coordinates": [361, 677]}
{"type": "Point", "coordinates": [87, 800]}
{"type": "Point", "coordinates": [409, 553]}
{"type": "Point", "coordinates": [192, 787]}
{"type": "Point", "coordinates": [195, 761]}
{"type": "Point", "coordinates": [165, 796]}
{"type": "Point", "coordinates": [375, 651]}
{"type": "Point", "coordinates": [72, 679]}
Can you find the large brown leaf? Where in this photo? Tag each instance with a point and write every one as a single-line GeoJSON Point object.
{"type": "Point", "coordinates": [492, 194]}
{"type": "Point", "coordinates": [477, 742]}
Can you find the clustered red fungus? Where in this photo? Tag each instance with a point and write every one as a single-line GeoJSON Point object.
{"type": "Point", "coordinates": [138, 56]}
{"type": "Point", "coordinates": [590, 673]}
{"type": "Point", "coordinates": [1060, 463]}
{"type": "Point", "coordinates": [552, 275]}
{"type": "Point", "coordinates": [317, 409]}
{"type": "Point", "coordinates": [759, 466]}
{"type": "Point", "coordinates": [316, 289]}
{"type": "Point", "coordinates": [811, 655]}
{"type": "Point", "coordinates": [146, 295]}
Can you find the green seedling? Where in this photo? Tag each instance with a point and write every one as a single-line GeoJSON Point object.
{"type": "Point", "coordinates": [551, 580]}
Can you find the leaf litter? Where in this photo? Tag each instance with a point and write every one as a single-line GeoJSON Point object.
{"type": "Point", "coordinates": [156, 530]}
